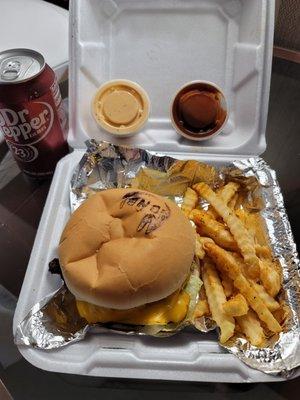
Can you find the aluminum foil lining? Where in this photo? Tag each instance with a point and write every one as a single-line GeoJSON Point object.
{"type": "Point", "coordinates": [53, 322]}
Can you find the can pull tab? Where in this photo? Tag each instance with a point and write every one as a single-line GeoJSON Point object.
{"type": "Point", "coordinates": [10, 70]}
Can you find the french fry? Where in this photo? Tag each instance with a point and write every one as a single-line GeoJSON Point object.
{"type": "Point", "coordinates": [227, 284]}
{"type": "Point", "coordinates": [190, 200]}
{"type": "Point", "coordinates": [277, 267]}
{"type": "Point", "coordinates": [236, 306]}
{"type": "Point", "coordinates": [264, 314]}
{"type": "Point", "coordinates": [242, 265]}
{"type": "Point", "coordinates": [263, 252]}
{"type": "Point", "coordinates": [216, 297]}
{"type": "Point", "coordinates": [226, 193]}
{"type": "Point", "coordinates": [201, 309]}
{"type": "Point", "coordinates": [204, 239]}
{"type": "Point", "coordinates": [254, 223]}
{"type": "Point", "coordinates": [271, 303]}
{"type": "Point", "coordinates": [261, 290]}
{"type": "Point", "coordinates": [283, 313]}
{"type": "Point", "coordinates": [269, 277]}
{"type": "Point", "coordinates": [242, 237]}
{"type": "Point", "coordinates": [244, 216]}
{"type": "Point", "coordinates": [252, 329]}
{"type": "Point", "coordinates": [233, 201]}
{"type": "Point", "coordinates": [227, 263]}
{"type": "Point", "coordinates": [199, 250]}
{"type": "Point", "coordinates": [208, 226]}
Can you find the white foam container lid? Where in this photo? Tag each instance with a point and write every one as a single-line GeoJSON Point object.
{"type": "Point", "coordinates": [164, 44]}
{"type": "Point", "coordinates": [161, 45]}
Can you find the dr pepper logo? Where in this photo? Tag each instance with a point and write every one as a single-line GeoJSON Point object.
{"type": "Point", "coordinates": [27, 126]}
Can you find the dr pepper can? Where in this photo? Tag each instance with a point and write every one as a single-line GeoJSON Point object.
{"type": "Point", "coordinates": [32, 118]}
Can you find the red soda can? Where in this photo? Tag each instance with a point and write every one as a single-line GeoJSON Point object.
{"type": "Point", "coordinates": [32, 118]}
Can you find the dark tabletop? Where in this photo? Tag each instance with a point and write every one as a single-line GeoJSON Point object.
{"type": "Point", "coordinates": [21, 206]}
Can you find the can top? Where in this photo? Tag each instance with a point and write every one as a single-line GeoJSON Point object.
{"type": "Point", "coordinates": [20, 65]}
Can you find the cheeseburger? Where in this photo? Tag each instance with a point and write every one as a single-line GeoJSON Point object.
{"type": "Point", "coordinates": [126, 256]}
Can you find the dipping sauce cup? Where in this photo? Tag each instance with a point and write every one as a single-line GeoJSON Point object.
{"type": "Point", "coordinates": [121, 107]}
{"type": "Point", "coordinates": [199, 110]}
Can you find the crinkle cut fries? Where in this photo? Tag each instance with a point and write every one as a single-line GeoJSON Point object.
{"type": "Point", "coordinates": [241, 279]}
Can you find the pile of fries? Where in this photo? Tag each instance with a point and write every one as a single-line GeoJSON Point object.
{"type": "Point", "coordinates": [241, 280]}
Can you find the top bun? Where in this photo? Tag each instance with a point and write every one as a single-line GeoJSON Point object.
{"type": "Point", "coordinates": [123, 248]}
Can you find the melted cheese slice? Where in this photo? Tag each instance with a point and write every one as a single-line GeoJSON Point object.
{"type": "Point", "coordinates": [171, 309]}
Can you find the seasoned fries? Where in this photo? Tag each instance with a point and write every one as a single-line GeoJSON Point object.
{"type": "Point", "coordinates": [204, 239]}
{"type": "Point", "coordinates": [227, 284]}
{"type": "Point", "coordinates": [216, 298]}
{"type": "Point", "coordinates": [208, 226]}
{"type": "Point", "coordinates": [199, 250]}
{"type": "Point", "coordinates": [241, 279]}
{"type": "Point", "coordinates": [190, 201]}
{"type": "Point", "coordinates": [256, 303]}
{"type": "Point", "coordinates": [227, 192]}
{"type": "Point", "coordinates": [202, 307]}
{"type": "Point", "coordinates": [270, 277]}
{"type": "Point", "coordinates": [242, 237]}
{"type": "Point", "coordinates": [263, 252]}
{"type": "Point", "coordinates": [232, 203]}
{"type": "Point", "coordinates": [269, 301]}
{"type": "Point", "coordinates": [254, 224]}
{"type": "Point", "coordinates": [252, 329]}
{"type": "Point", "coordinates": [227, 263]}
{"type": "Point", "coordinates": [236, 306]}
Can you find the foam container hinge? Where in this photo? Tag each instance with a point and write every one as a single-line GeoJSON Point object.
{"type": "Point", "coordinates": [161, 45]}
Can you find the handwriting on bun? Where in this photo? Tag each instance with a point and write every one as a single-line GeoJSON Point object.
{"type": "Point", "coordinates": [156, 214]}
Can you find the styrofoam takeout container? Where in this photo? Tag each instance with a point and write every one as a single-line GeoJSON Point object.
{"type": "Point", "coordinates": [161, 45]}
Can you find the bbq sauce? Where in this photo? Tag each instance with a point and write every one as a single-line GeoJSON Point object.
{"type": "Point", "coordinates": [197, 110]}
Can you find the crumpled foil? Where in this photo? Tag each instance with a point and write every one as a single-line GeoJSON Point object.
{"type": "Point", "coordinates": [54, 322]}
{"type": "Point", "coordinates": [283, 356]}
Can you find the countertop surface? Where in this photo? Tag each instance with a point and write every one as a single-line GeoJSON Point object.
{"type": "Point", "coordinates": [21, 206]}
